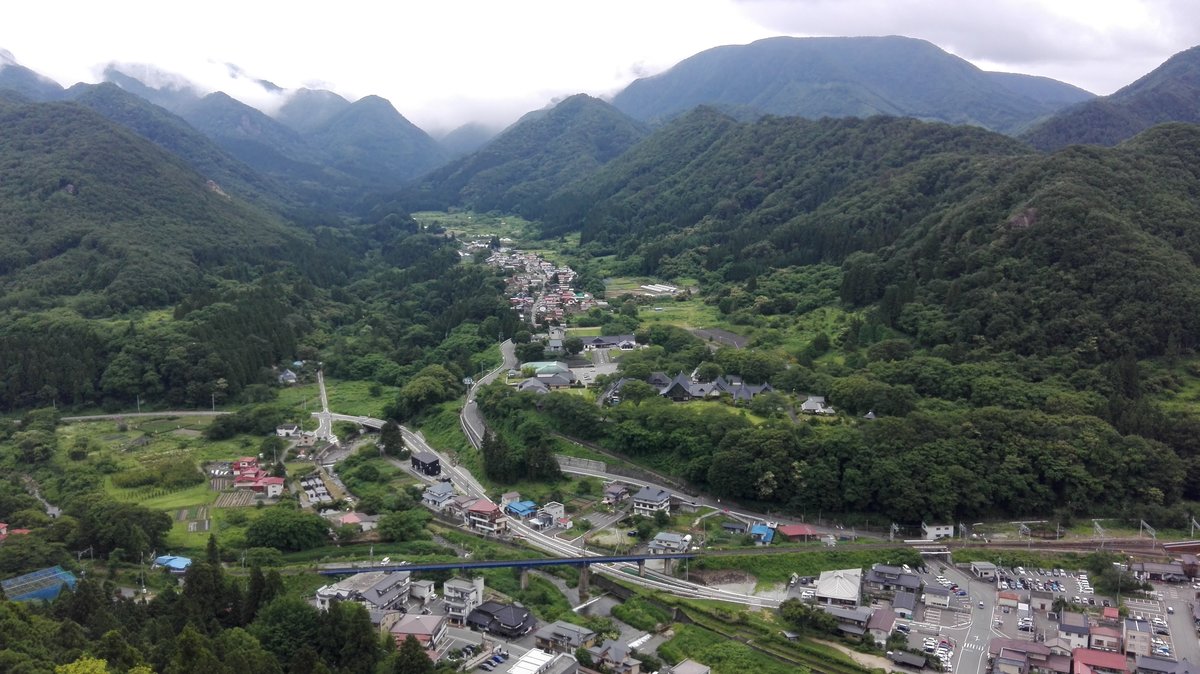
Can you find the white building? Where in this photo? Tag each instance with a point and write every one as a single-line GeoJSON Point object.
{"type": "Point", "coordinates": [462, 596]}
{"type": "Point", "coordinates": [932, 532]}
{"type": "Point", "coordinates": [651, 500]}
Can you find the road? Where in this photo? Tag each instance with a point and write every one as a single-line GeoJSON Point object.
{"type": "Point", "coordinates": [146, 415]}
{"type": "Point", "coordinates": [324, 417]}
{"type": "Point", "coordinates": [470, 418]}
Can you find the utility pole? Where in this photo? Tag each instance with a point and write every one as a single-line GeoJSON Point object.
{"type": "Point", "coordinates": [139, 403]}
{"type": "Point", "coordinates": [214, 401]}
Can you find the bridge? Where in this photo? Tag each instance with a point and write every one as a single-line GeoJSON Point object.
{"type": "Point", "coordinates": [523, 564]}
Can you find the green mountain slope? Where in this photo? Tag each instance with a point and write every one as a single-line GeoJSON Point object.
{"type": "Point", "coordinates": [1169, 93]}
{"type": "Point", "coordinates": [373, 142]}
{"type": "Point", "coordinates": [1090, 249]}
{"type": "Point", "coordinates": [310, 109]}
{"type": "Point", "coordinates": [93, 215]}
{"type": "Point", "coordinates": [24, 81]}
{"type": "Point", "coordinates": [176, 136]}
{"type": "Point", "coordinates": [841, 77]}
{"type": "Point", "coordinates": [526, 164]}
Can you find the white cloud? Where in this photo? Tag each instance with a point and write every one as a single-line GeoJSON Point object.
{"type": "Point", "coordinates": [446, 62]}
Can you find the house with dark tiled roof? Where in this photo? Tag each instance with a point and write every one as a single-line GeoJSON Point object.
{"type": "Point", "coordinates": [650, 500]}
{"type": "Point", "coordinates": [613, 656]}
{"type": "Point", "coordinates": [884, 578]}
{"type": "Point", "coordinates": [507, 620]}
{"type": "Point", "coordinates": [563, 637]}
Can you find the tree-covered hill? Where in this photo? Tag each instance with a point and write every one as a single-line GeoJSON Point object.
{"type": "Point", "coordinates": [310, 109]}
{"type": "Point", "coordinates": [96, 216]}
{"type": "Point", "coordinates": [522, 167]}
{"type": "Point", "coordinates": [960, 234]}
{"type": "Point", "coordinates": [373, 142]}
{"type": "Point", "coordinates": [1169, 93]}
{"type": "Point", "coordinates": [843, 77]}
{"type": "Point", "coordinates": [18, 78]}
{"type": "Point", "coordinates": [176, 136]}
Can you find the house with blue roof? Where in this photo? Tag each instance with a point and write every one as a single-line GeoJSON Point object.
{"type": "Point", "coordinates": [172, 563]}
{"type": "Point", "coordinates": [522, 509]}
{"type": "Point", "coordinates": [762, 534]}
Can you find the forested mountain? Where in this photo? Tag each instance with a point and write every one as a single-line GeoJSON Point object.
{"type": "Point", "coordinates": [96, 216]}
{"type": "Point", "coordinates": [18, 78]}
{"type": "Point", "coordinates": [962, 234]}
{"type": "Point", "coordinates": [466, 139]}
{"type": "Point", "coordinates": [531, 160]}
{"type": "Point", "coordinates": [843, 77]}
{"type": "Point", "coordinates": [309, 109]}
{"type": "Point", "coordinates": [1169, 93]}
{"type": "Point", "coordinates": [372, 142]}
{"type": "Point", "coordinates": [176, 136]}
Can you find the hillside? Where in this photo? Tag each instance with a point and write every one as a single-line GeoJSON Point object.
{"type": "Point", "coordinates": [309, 109]}
{"type": "Point", "coordinates": [18, 78]}
{"type": "Point", "coordinates": [466, 139]}
{"type": "Point", "coordinates": [95, 216]}
{"type": "Point", "coordinates": [176, 136]}
{"type": "Point", "coordinates": [526, 164]}
{"type": "Point", "coordinates": [977, 237]}
{"type": "Point", "coordinates": [1169, 93]}
{"type": "Point", "coordinates": [846, 77]}
{"type": "Point", "coordinates": [373, 142]}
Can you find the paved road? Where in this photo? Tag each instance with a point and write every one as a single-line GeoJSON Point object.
{"type": "Point", "coordinates": [324, 417]}
{"type": "Point", "coordinates": [471, 419]}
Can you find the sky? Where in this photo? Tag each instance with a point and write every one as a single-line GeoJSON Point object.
{"type": "Point", "coordinates": [443, 63]}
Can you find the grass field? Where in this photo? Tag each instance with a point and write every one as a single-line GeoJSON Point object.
{"type": "Point", "coordinates": [691, 313]}
{"type": "Point", "coordinates": [354, 397]}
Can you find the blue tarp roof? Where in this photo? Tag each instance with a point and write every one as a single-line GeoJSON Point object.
{"type": "Point", "coordinates": [173, 563]}
{"type": "Point", "coordinates": [44, 584]}
{"type": "Point", "coordinates": [522, 507]}
{"type": "Point", "coordinates": [762, 531]}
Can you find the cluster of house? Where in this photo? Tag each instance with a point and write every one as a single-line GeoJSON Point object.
{"type": "Point", "coordinates": [479, 514]}
{"type": "Point", "coordinates": [539, 287]}
{"type": "Point", "coordinates": [398, 605]}
{"type": "Point", "coordinates": [248, 475]}
{"type": "Point", "coordinates": [1104, 644]}
{"type": "Point", "coordinates": [315, 489]}
{"type": "Point", "coordinates": [607, 654]}
{"type": "Point", "coordinates": [549, 516]}
{"type": "Point", "coordinates": [682, 388]}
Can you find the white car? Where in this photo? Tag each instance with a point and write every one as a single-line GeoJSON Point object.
{"type": "Point", "coordinates": [807, 594]}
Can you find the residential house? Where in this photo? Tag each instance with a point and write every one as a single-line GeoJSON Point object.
{"type": "Point", "coordinates": [797, 532]}
{"type": "Point", "coordinates": [461, 597]}
{"type": "Point", "coordinates": [381, 590]}
{"type": "Point", "coordinates": [762, 534]}
{"type": "Point", "coordinates": [287, 378]}
{"type": "Point", "coordinates": [1087, 661]}
{"type": "Point", "coordinates": [554, 510]}
{"type": "Point", "coordinates": [936, 595]}
{"type": "Point", "coordinates": [522, 510]}
{"type": "Point", "coordinates": [458, 506]}
{"type": "Point", "coordinates": [816, 405]}
{"type": "Point", "coordinates": [426, 463]}
{"type": "Point", "coordinates": [246, 464]}
{"type": "Point", "coordinates": [563, 637]}
{"type": "Point", "coordinates": [839, 588]}
{"type": "Point", "coordinates": [360, 521]}
{"type": "Point", "coordinates": [5, 531]}
{"type": "Point", "coordinates": [880, 626]}
{"type": "Point", "coordinates": [485, 516]}
{"type": "Point", "coordinates": [615, 492]}
{"type": "Point", "coordinates": [509, 497]}
{"type": "Point", "coordinates": [1105, 639]}
{"type": "Point", "coordinates": [1138, 637]}
{"type": "Point", "coordinates": [423, 591]}
{"type": "Point", "coordinates": [429, 631]}
{"type": "Point", "coordinates": [887, 579]}
{"type": "Point", "coordinates": [905, 604]}
{"type": "Point", "coordinates": [667, 542]}
{"type": "Point", "coordinates": [1074, 629]}
{"type": "Point", "coordinates": [850, 620]}
{"type": "Point", "coordinates": [437, 495]}
{"type": "Point", "coordinates": [1017, 656]}
{"type": "Point", "coordinates": [613, 656]}
{"type": "Point", "coordinates": [659, 380]}
{"type": "Point", "coordinates": [287, 430]}
{"type": "Point", "coordinates": [534, 385]}
{"type": "Point", "coordinates": [932, 532]}
{"type": "Point", "coordinates": [734, 527]}
{"type": "Point", "coordinates": [506, 620]}
{"type": "Point", "coordinates": [650, 500]}
{"type": "Point", "coordinates": [1041, 600]}
{"type": "Point", "coordinates": [555, 382]}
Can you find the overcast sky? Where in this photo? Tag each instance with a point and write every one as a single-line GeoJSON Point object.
{"type": "Point", "coordinates": [446, 62]}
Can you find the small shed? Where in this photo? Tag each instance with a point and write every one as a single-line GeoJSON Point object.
{"type": "Point", "coordinates": [426, 463]}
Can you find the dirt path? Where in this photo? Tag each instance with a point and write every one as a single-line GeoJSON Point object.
{"type": "Point", "coordinates": [868, 661]}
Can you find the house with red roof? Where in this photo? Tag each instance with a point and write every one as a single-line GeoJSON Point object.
{"type": "Point", "coordinates": [1088, 661]}
{"type": "Point", "coordinates": [797, 532]}
{"type": "Point", "coordinates": [5, 531]}
{"type": "Point", "coordinates": [487, 517]}
{"type": "Point", "coordinates": [246, 464]}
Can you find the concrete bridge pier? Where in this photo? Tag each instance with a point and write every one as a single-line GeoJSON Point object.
{"type": "Point", "coordinates": [668, 567]}
{"type": "Point", "coordinates": [524, 577]}
{"type": "Point", "coordinates": [641, 568]}
{"type": "Point", "coordinates": [584, 580]}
